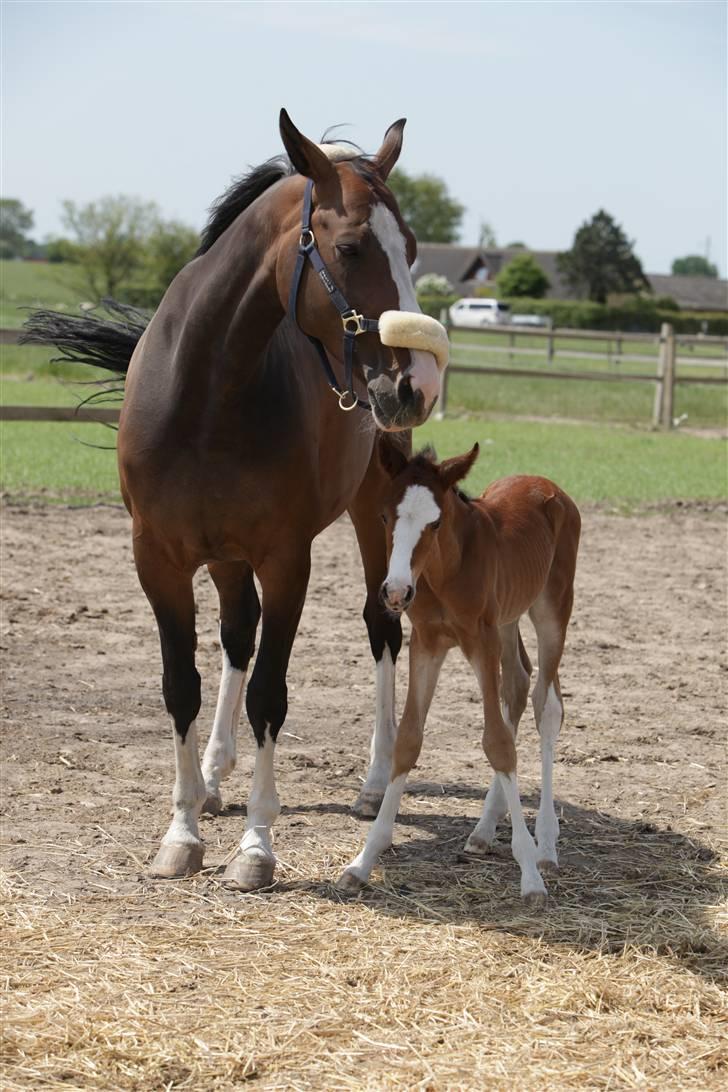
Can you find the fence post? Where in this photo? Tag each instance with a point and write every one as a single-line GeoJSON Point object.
{"type": "Point", "coordinates": [668, 401]}
{"type": "Point", "coordinates": [550, 347]}
{"type": "Point", "coordinates": [511, 342]}
{"type": "Point", "coordinates": [663, 378]}
{"type": "Point", "coordinates": [439, 415]}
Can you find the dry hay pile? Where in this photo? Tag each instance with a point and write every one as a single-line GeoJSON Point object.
{"type": "Point", "coordinates": [434, 978]}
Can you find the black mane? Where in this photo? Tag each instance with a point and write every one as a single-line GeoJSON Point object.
{"type": "Point", "coordinates": [244, 190]}
{"type": "Point", "coordinates": [240, 195]}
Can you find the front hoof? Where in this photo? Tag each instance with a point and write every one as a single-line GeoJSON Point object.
{"type": "Point", "coordinates": [367, 804]}
{"type": "Point", "coordinates": [535, 900]}
{"type": "Point", "coordinates": [213, 804]}
{"type": "Point", "coordinates": [174, 861]}
{"type": "Point", "coordinates": [349, 883]}
{"type": "Point", "coordinates": [477, 847]}
{"type": "Point", "coordinates": [249, 873]}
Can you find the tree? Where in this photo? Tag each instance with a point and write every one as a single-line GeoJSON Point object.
{"type": "Point", "coordinates": [523, 276]}
{"type": "Point", "coordinates": [15, 223]}
{"type": "Point", "coordinates": [170, 246]}
{"type": "Point", "coordinates": [110, 236]}
{"type": "Point", "coordinates": [694, 265]}
{"type": "Point", "coordinates": [601, 260]}
{"type": "Point", "coordinates": [432, 214]}
{"type": "Point", "coordinates": [486, 235]}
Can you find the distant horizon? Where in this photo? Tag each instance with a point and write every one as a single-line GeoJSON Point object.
{"type": "Point", "coordinates": [535, 115]}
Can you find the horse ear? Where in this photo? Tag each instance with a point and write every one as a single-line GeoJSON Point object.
{"type": "Point", "coordinates": [391, 457]}
{"type": "Point", "coordinates": [388, 154]}
{"type": "Point", "coordinates": [308, 159]}
{"type": "Point", "coordinates": [455, 469]}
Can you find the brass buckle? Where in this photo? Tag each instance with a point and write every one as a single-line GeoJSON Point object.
{"type": "Point", "coordinates": [352, 322]}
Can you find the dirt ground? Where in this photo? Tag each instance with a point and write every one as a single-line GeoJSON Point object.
{"type": "Point", "coordinates": [87, 750]}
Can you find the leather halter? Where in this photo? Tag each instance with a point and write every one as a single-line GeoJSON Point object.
{"type": "Point", "coordinates": [352, 322]}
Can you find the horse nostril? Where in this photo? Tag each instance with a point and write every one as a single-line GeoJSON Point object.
{"type": "Point", "coordinates": [409, 595]}
{"type": "Point", "coordinates": [383, 592]}
{"type": "Point", "coordinates": [405, 392]}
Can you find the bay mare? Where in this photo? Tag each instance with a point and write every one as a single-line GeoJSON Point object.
{"type": "Point", "coordinates": [234, 453]}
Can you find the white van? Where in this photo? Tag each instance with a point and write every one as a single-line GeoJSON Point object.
{"type": "Point", "coordinates": [474, 313]}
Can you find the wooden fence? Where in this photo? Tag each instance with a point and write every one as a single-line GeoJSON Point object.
{"type": "Point", "coordinates": [665, 376]}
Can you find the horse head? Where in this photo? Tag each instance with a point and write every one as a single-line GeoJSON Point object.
{"type": "Point", "coordinates": [362, 251]}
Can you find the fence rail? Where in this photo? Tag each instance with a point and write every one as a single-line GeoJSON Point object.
{"type": "Point", "coordinates": [664, 377]}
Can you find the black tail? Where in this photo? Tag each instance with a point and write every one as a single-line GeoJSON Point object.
{"type": "Point", "coordinates": [104, 342]}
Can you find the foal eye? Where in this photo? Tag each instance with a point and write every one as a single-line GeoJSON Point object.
{"type": "Point", "coordinates": [435, 524]}
{"type": "Point", "coordinates": [383, 517]}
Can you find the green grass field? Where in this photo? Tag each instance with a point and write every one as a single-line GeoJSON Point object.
{"type": "Point", "coordinates": [605, 461]}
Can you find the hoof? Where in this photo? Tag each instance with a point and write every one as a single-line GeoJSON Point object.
{"type": "Point", "coordinates": [213, 804]}
{"type": "Point", "coordinates": [535, 900]}
{"type": "Point", "coordinates": [174, 861]}
{"type": "Point", "coordinates": [477, 847]}
{"type": "Point", "coordinates": [249, 873]}
{"type": "Point", "coordinates": [349, 882]}
{"type": "Point", "coordinates": [548, 866]}
{"type": "Point", "coordinates": [367, 804]}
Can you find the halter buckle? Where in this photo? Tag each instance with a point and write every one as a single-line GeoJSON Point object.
{"type": "Point", "coordinates": [352, 322]}
{"type": "Point", "coordinates": [342, 396]}
{"type": "Point", "coordinates": [307, 240]}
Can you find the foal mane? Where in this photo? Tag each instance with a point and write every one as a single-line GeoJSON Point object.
{"type": "Point", "coordinates": [241, 193]}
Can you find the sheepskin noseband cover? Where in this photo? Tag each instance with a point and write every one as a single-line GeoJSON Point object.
{"type": "Point", "coordinates": [409, 330]}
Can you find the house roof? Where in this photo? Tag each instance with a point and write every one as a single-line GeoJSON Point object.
{"type": "Point", "coordinates": [460, 264]}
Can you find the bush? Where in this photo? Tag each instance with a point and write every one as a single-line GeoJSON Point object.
{"type": "Point", "coordinates": [433, 305]}
{"type": "Point", "coordinates": [433, 284]}
{"type": "Point", "coordinates": [522, 277]}
{"type": "Point", "coordinates": [639, 315]}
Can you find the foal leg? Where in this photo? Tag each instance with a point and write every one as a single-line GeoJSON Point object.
{"type": "Point", "coordinates": [516, 677]}
{"type": "Point", "coordinates": [284, 581]}
{"type": "Point", "coordinates": [385, 639]}
{"type": "Point", "coordinates": [500, 749]}
{"type": "Point", "coordinates": [424, 669]}
{"type": "Point", "coordinates": [550, 623]}
{"type": "Point", "coordinates": [239, 614]}
{"type": "Point", "coordinates": [170, 593]}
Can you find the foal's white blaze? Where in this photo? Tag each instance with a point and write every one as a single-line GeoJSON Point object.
{"type": "Point", "coordinates": [416, 509]}
{"type": "Point", "coordinates": [424, 374]}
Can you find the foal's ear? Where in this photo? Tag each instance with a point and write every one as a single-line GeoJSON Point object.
{"type": "Point", "coordinates": [309, 160]}
{"type": "Point", "coordinates": [455, 469]}
{"type": "Point", "coordinates": [388, 154]}
{"type": "Point", "coordinates": [391, 457]}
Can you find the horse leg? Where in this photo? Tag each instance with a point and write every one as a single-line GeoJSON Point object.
{"type": "Point", "coordinates": [284, 581]}
{"type": "Point", "coordinates": [385, 640]}
{"type": "Point", "coordinates": [239, 614]}
{"type": "Point", "coordinates": [500, 749]}
{"type": "Point", "coordinates": [516, 677]}
{"type": "Point", "coordinates": [169, 591]}
{"type": "Point", "coordinates": [424, 668]}
{"type": "Point", "coordinates": [550, 616]}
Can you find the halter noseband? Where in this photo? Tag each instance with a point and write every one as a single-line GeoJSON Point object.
{"type": "Point", "coordinates": [352, 322]}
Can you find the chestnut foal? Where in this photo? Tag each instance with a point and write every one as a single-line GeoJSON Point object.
{"type": "Point", "coordinates": [477, 566]}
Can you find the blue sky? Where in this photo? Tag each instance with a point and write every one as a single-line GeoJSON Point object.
{"type": "Point", "coordinates": [535, 114]}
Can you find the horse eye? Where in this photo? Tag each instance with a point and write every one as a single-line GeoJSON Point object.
{"type": "Point", "coordinates": [435, 524]}
{"type": "Point", "coordinates": [347, 250]}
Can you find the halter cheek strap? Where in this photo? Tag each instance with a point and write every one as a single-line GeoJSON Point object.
{"type": "Point", "coordinates": [352, 322]}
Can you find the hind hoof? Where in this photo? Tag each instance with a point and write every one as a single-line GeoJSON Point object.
{"type": "Point", "coordinates": [213, 804]}
{"type": "Point", "coordinates": [367, 804]}
{"type": "Point", "coordinates": [173, 861]}
{"type": "Point", "coordinates": [349, 883]}
{"type": "Point", "coordinates": [477, 847]}
{"type": "Point", "coordinates": [249, 873]}
{"type": "Point", "coordinates": [548, 867]}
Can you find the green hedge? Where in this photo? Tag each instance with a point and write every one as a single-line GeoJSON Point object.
{"type": "Point", "coordinates": [640, 316]}
{"type": "Point", "coordinates": [643, 315]}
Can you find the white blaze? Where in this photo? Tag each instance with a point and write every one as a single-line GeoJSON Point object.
{"type": "Point", "coordinates": [424, 373]}
{"type": "Point", "coordinates": [416, 509]}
